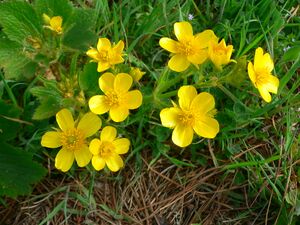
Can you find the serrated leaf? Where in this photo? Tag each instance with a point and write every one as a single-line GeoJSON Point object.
{"type": "Point", "coordinates": [88, 78]}
{"type": "Point", "coordinates": [17, 171]}
{"type": "Point", "coordinates": [19, 21]}
{"type": "Point", "coordinates": [49, 107]}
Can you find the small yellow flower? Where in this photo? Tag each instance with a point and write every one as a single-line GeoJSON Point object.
{"type": "Point", "coordinates": [54, 22]}
{"type": "Point", "coordinates": [189, 48]}
{"type": "Point", "coordinates": [106, 55]}
{"type": "Point", "coordinates": [107, 149]}
{"type": "Point", "coordinates": [194, 113]}
{"type": "Point", "coordinates": [136, 73]}
{"type": "Point", "coordinates": [117, 98]}
{"type": "Point", "coordinates": [219, 53]}
{"type": "Point", "coordinates": [72, 139]}
{"type": "Point", "coordinates": [261, 76]}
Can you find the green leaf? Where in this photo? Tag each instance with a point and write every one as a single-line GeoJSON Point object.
{"type": "Point", "coordinates": [19, 21]}
{"type": "Point", "coordinates": [17, 171]}
{"type": "Point", "coordinates": [9, 124]}
{"type": "Point", "coordinates": [238, 73]}
{"type": "Point", "coordinates": [49, 107]}
{"type": "Point", "coordinates": [291, 54]}
{"type": "Point", "coordinates": [88, 79]}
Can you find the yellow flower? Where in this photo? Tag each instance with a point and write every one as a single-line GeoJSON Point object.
{"type": "Point", "coordinates": [261, 76]}
{"type": "Point", "coordinates": [54, 22]}
{"type": "Point", "coordinates": [107, 149]}
{"type": "Point", "coordinates": [117, 98]}
{"type": "Point", "coordinates": [194, 113]}
{"type": "Point", "coordinates": [189, 48]}
{"type": "Point", "coordinates": [219, 53]}
{"type": "Point", "coordinates": [106, 55]}
{"type": "Point", "coordinates": [72, 139]}
{"type": "Point", "coordinates": [136, 73]}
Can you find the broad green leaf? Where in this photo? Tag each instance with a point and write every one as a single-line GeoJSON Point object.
{"type": "Point", "coordinates": [291, 54]}
{"type": "Point", "coordinates": [238, 73]}
{"type": "Point", "coordinates": [48, 107]}
{"type": "Point", "coordinates": [17, 171]}
{"type": "Point", "coordinates": [88, 78]}
{"type": "Point", "coordinates": [19, 21]}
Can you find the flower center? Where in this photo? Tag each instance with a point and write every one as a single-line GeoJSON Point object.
{"type": "Point", "coordinates": [106, 149]}
{"type": "Point", "coordinates": [113, 99]}
{"type": "Point", "coordinates": [103, 55]}
{"type": "Point", "coordinates": [187, 118]}
{"type": "Point", "coordinates": [187, 48]}
{"type": "Point", "coordinates": [72, 139]}
{"type": "Point", "coordinates": [261, 77]}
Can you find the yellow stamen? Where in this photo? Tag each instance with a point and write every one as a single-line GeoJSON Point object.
{"type": "Point", "coordinates": [72, 139]}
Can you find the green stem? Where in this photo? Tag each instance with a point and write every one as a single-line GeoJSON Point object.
{"type": "Point", "coordinates": [10, 93]}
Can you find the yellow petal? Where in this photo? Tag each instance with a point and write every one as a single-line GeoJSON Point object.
{"type": "Point", "coordinates": [106, 82]}
{"type": "Point", "coordinates": [182, 135]}
{"type": "Point", "coordinates": [203, 39]}
{"type": "Point", "coordinates": [203, 103]}
{"type": "Point", "coordinates": [169, 117]}
{"type": "Point", "coordinates": [267, 62]}
{"type": "Point", "coordinates": [93, 53]}
{"type": "Point", "coordinates": [98, 104]}
{"type": "Point", "coordinates": [122, 82]}
{"type": "Point", "coordinates": [169, 44]}
{"type": "Point", "coordinates": [83, 156]}
{"type": "Point", "coordinates": [121, 145]}
{"type": "Point", "coordinates": [94, 146]}
{"type": "Point", "coordinates": [251, 73]}
{"type": "Point", "coordinates": [65, 119]}
{"type": "Point", "coordinates": [272, 84]}
{"type": "Point", "coordinates": [118, 114]}
{"type": "Point", "coordinates": [178, 63]}
{"type": "Point", "coordinates": [133, 99]}
{"type": "Point", "coordinates": [199, 57]}
{"type": "Point", "coordinates": [183, 31]}
{"type": "Point", "coordinates": [258, 56]}
{"type": "Point", "coordinates": [51, 139]}
{"type": "Point", "coordinates": [64, 160]}
{"type": "Point", "coordinates": [118, 48]}
{"type": "Point", "coordinates": [56, 22]}
{"type": "Point", "coordinates": [116, 59]}
{"type": "Point", "coordinates": [186, 94]}
{"type": "Point", "coordinates": [114, 162]}
{"type": "Point", "coordinates": [98, 162]}
{"type": "Point", "coordinates": [89, 124]}
{"type": "Point", "coordinates": [103, 44]}
{"type": "Point", "coordinates": [102, 66]}
{"type": "Point", "coordinates": [264, 93]}
{"type": "Point", "coordinates": [108, 133]}
{"type": "Point", "coordinates": [208, 127]}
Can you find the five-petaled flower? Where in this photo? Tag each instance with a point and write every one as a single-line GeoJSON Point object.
{"type": "Point", "coordinates": [72, 139]}
{"type": "Point", "coordinates": [106, 55]}
{"type": "Point", "coordinates": [194, 113]}
{"type": "Point", "coordinates": [117, 98]}
{"type": "Point", "coordinates": [219, 53]}
{"type": "Point", "coordinates": [261, 76]}
{"type": "Point", "coordinates": [55, 23]}
{"type": "Point", "coordinates": [189, 48]}
{"type": "Point", "coordinates": [107, 149]}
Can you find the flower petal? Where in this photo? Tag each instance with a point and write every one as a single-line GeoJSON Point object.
{"type": "Point", "coordinates": [118, 114]}
{"type": "Point", "coordinates": [98, 162]}
{"type": "Point", "coordinates": [169, 116]}
{"type": "Point", "coordinates": [102, 66]}
{"type": "Point", "coordinates": [258, 57]}
{"type": "Point", "coordinates": [186, 95]}
{"type": "Point", "coordinates": [89, 124]}
{"type": "Point", "coordinates": [64, 160]}
{"type": "Point", "coordinates": [93, 53]}
{"type": "Point", "coordinates": [108, 133]}
{"type": "Point", "coordinates": [203, 103]}
{"type": "Point", "coordinates": [56, 22]}
{"type": "Point", "coordinates": [272, 84]}
{"type": "Point", "coordinates": [267, 62]}
{"type": "Point", "coordinates": [199, 57]}
{"type": "Point", "coordinates": [122, 83]}
{"type": "Point", "coordinates": [118, 48]}
{"type": "Point", "coordinates": [178, 63]}
{"type": "Point", "coordinates": [183, 31]}
{"type": "Point", "coordinates": [207, 127]}
{"type": "Point", "coordinates": [169, 44]}
{"type": "Point", "coordinates": [103, 44]}
{"type": "Point", "coordinates": [182, 135]}
{"type": "Point", "coordinates": [133, 99]}
{"type": "Point", "coordinates": [251, 73]}
{"type": "Point", "coordinates": [94, 146]}
{"type": "Point", "coordinates": [121, 145]}
{"type": "Point", "coordinates": [83, 156]}
{"type": "Point", "coordinates": [202, 39]}
{"type": "Point", "coordinates": [51, 139]}
{"type": "Point", "coordinates": [65, 119]}
{"type": "Point", "coordinates": [98, 104]}
{"type": "Point", "coordinates": [106, 82]}
{"type": "Point", "coordinates": [263, 91]}
{"type": "Point", "coordinates": [114, 162]}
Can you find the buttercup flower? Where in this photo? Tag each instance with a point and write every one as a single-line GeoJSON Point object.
{"type": "Point", "coordinates": [219, 53]}
{"type": "Point", "coordinates": [194, 113]}
{"type": "Point", "coordinates": [117, 98]}
{"type": "Point", "coordinates": [54, 22]}
{"type": "Point", "coordinates": [106, 55]}
{"type": "Point", "coordinates": [261, 76]}
{"type": "Point", "coordinates": [136, 73]}
{"type": "Point", "coordinates": [189, 48]}
{"type": "Point", "coordinates": [107, 149]}
{"type": "Point", "coordinates": [72, 139]}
